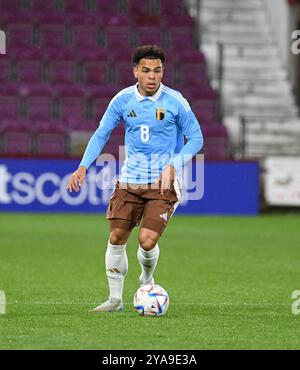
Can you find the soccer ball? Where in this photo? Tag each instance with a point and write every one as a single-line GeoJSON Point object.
{"type": "Point", "coordinates": [151, 300]}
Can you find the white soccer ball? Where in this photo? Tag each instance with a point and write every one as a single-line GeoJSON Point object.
{"type": "Point", "coordinates": [151, 300]}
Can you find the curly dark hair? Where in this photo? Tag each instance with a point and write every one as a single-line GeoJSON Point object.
{"type": "Point", "coordinates": [148, 52]}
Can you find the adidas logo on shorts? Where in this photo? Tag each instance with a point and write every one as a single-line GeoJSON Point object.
{"type": "Point", "coordinates": [164, 216]}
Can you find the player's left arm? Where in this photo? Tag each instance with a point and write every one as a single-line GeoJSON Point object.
{"type": "Point", "coordinates": [190, 128]}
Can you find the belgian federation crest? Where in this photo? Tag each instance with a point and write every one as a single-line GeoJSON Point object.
{"type": "Point", "coordinates": [160, 114]}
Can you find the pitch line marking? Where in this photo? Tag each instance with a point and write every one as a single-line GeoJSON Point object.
{"type": "Point", "coordinates": [2, 303]}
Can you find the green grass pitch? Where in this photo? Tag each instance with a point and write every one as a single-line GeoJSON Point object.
{"type": "Point", "coordinates": [230, 281]}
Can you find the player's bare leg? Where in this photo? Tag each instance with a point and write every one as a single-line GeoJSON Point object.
{"type": "Point", "coordinates": [148, 253]}
{"type": "Point", "coordinates": [116, 263]}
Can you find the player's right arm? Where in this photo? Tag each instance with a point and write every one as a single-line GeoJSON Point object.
{"type": "Point", "coordinates": [109, 121]}
{"type": "Point", "coordinates": [77, 179]}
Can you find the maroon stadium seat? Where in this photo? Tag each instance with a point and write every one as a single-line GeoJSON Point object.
{"type": "Point", "coordinates": [180, 31]}
{"type": "Point", "coordinates": [5, 69]}
{"type": "Point", "coordinates": [122, 66]}
{"type": "Point", "coordinates": [75, 6]}
{"type": "Point", "coordinates": [108, 7]}
{"type": "Point", "coordinates": [169, 74]}
{"type": "Point", "coordinates": [95, 67]}
{"type": "Point", "coordinates": [85, 31]}
{"type": "Point", "coordinates": [145, 7]}
{"type": "Point", "coordinates": [207, 115]}
{"type": "Point", "coordinates": [216, 143]}
{"type": "Point", "coordinates": [44, 7]}
{"type": "Point", "coordinates": [29, 65]}
{"type": "Point", "coordinates": [100, 97]}
{"type": "Point", "coordinates": [72, 103]}
{"type": "Point", "coordinates": [52, 31]}
{"type": "Point", "coordinates": [62, 66]}
{"type": "Point", "coordinates": [173, 8]}
{"type": "Point", "coordinates": [117, 32]}
{"type": "Point", "coordinates": [16, 138]}
{"type": "Point", "coordinates": [19, 30]}
{"type": "Point", "coordinates": [191, 56]}
{"type": "Point", "coordinates": [39, 102]}
{"type": "Point", "coordinates": [75, 124]}
{"type": "Point", "coordinates": [204, 102]}
{"type": "Point", "coordinates": [147, 35]}
{"type": "Point", "coordinates": [10, 102]}
{"type": "Point", "coordinates": [50, 138]}
{"type": "Point", "coordinates": [123, 73]}
{"type": "Point", "coordinates": [11, 6]}
{"type": "Point", "coordinates": [192, 68]}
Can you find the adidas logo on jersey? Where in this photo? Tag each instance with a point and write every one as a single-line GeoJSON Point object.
{"type": "Point", "coordinates": [164, 216]}
{"type": "Point", "coordinates": [132, 114]}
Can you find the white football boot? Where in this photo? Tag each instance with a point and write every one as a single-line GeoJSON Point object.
{"type": "Point", "coordinates": [111, 305]}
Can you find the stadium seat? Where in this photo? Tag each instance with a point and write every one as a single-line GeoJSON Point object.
{"type": "Point", "coordinates": [207, 114]}
{"type": "Point", "coordinates": [50, 138]}
{"type": "Point", "coordinates": [123, 73]}
{"type": "Point", "coordinates": [145, 7]}
{"type": "Point", "coordinates": [5, 69]}
{"type": "Point", "coordinates": [19, 30]}
{"type": "Point", "coordinates": [205, 108]}
{"type": "Point", "coordinates": [204, 115]}
{"type": "Point", "coordinates": [205, 92]}
{"type": "Point", "coordinates": [99, 98]}
{"type": "Point", "coordinates": [52, 31]}
{"type": "Point", "coordinates": [180, 33]}
{"type": "Point", "coordinates": [117, 32]}
{"type": "Point", "coordinates": [216, 144]}
{"type": "Point", "coordinates": [192, 77]}
{"type": "Point", "coordinates": [147, 35]}
{"type": "Point", "coordinates": [62, 66]}
{"type": "Point", "coordinates": [122, 67]}
{"type": "Point", "coordinates": [191, 56]}
{"type": "Point", "coordinates": [17, 139]}
{"type": "Point", "coordinates": [9, 124]}
{"type": "Point", "coordinates": [191, 69]}
{"type": "Point", "coordinates": [10, 102]}
{"type": "Point", "coordinates": [95, 67]}
{"type": "Point", "coordinates": [182, 41]}
{"type": "Point", "coordinates": [85, 31]}
{"type": "Point", "coordinates": [75, 6]}
{"type": "Point", "coordinates": [122, 54]}
{"type": "Point", "coordinates": [29, 65]}
{"type": "Point", "coordinates": [173, 8]}
{"type": "Point", "coordinates": [39, 102]}
{"type": "Point", "coordinates": [117, 38]}
{"type": "Point", "coordinates": [109, 7]}
{"type": "Point", "coordinates": [45, 7]}
{"type": "Point", "coordinates": [12, 6]}
{"type": "Point", "coordinates": [204, 98]}
{"type": "Point", "coordinates": [75, 124]}
{"type": "Point", "coordinates": [72, 103]}
{"type": "Point", "coordinates": [169, 74]}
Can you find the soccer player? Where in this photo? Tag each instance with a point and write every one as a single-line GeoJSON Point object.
{"type": "Point", "coordinates": [156, 118]}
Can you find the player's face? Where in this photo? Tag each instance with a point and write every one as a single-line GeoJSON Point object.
{"type": "Point", "coordinates": [149, 73]}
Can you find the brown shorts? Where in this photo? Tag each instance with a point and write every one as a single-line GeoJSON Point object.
{"type": "Point", "coordinates": [131, 203]}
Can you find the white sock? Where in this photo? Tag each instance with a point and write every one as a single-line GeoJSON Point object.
{"type": "Point", "coordinates": [148, 261]}
{"type": "Point", "coordinates": [116, 263]}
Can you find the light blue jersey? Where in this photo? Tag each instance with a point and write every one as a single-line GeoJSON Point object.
{"type": "Point", "coordinates": [155, 127]}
